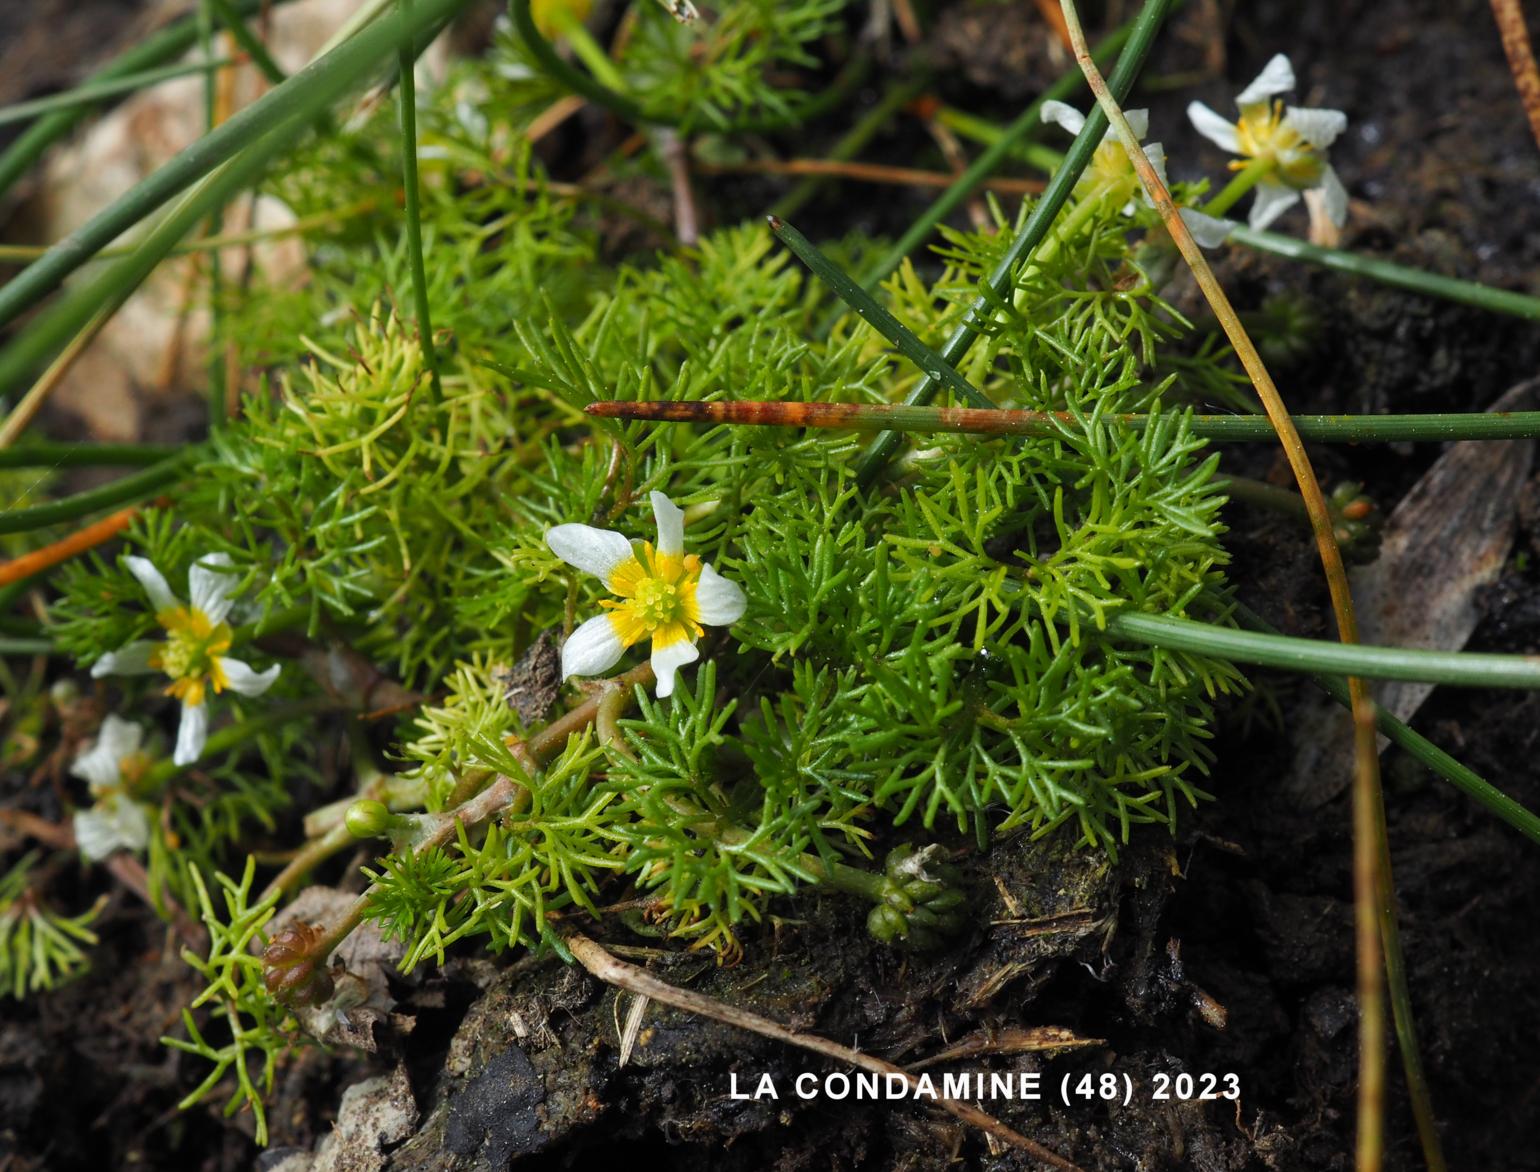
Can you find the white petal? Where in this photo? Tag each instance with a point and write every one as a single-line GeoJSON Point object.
{"type": "Point", "coordinates": [1156, 153]}
{"type": "Point", "coordinates": [670, 519]}
{"type": "Point", "coordinates": [1214, 126]}
{"type": "Point", "coordinates": [121, 737]}
{"type": "Point", "coordinates": [154, 584]}
{"type": "Point", "coordinates": [1138, 122]}
{"type": "Point", "coordinates": [1208, 231]}
{"type": "Point", "coordinates": [132, 659]}
{"type": "Point", "coordinates": [99, 768]}
{"type": "Point", "coordinates": [719, 602]}
{"type": "Point", "coordinates": [1272, 200]}
{"type": "Point", "coordinates": [1061, 114]}
{"type": "Point", "coordinates": [1336, 196]}
{"type": "Point", "coordinates": [594, 551]}
{"type": "Point", "coordinates": [101, 765]}
{"type": "Point", "coordinates": [210, 591]}
{"type": "Point", "coordinates": [115, 823]}
{"type": "Point", "coordinates": [191, 734]}
{"type": "Point", "coordinates": [240, 677]}
{"type": "Point", "coordinates": [1320, 128]}
{"type": "Point", "coordinates": [668, 660]}
{"type": "Point", "coordinates": [1277, 77]}
{"type": "Point", "coordinates": [592, 649]}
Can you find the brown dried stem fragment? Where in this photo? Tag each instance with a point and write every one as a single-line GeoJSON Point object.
{"type": "Point", "coordinates": [500, 796]}
{"type": "Point", "coordinates": [1521, 58]}
{"type": "Point", "coordinates": [598, 961]}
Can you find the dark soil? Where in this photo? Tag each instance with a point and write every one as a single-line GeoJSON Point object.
{"type": "Point", "coordinates": [1249, 909]}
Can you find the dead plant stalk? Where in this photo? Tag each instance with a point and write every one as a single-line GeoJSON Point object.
{"type": "Point", "coordinates": [1372, 890]}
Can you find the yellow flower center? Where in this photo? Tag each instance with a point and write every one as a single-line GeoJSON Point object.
{"type": "Point", "coordinates": [1110, 165]}
{"type": "Point", "coordinates": [1262, 134]}
{"type": "Point", "coordinates": [657, 597]}
{"type": "Point", "coordinates": [190, 654]}
{"type": "Point", "coordinates": [132, 768]}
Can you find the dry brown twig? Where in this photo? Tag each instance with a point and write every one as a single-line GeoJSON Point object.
{"type": "Point", "coordinates": [607, 968]}
{"type": "Point", "coordinates": [1375, 929]}
{"type": "Point", "coordinates": [864, 173]}
{"type": "Point", "coordinates": [1521, 58]}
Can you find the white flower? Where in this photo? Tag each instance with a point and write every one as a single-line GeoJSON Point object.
{"type": "Point", "coordinates": [1294, 139]}
{"type": "Point", "coordinates": [664, 593]}
{"type": "Point", "coordinates": [1208, 231]}
{"type": "Point", "coordinates": [1110, 165]}
{"type": "Point", "coordinates": [114, 757]}
{"type": "Point", "coordinates": [116, 821]}
{"type": "Point", "coordinates": [193, 653]}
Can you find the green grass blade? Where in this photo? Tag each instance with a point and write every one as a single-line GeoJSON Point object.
{"type": "Point", "coordinates": [155, 50]}
{"type": "Point", "coordinates": [61, 455]}
{"type": "Point", "coordinates": [93, 92]}
{"type": "Point", "coordinates": [1386, 273]}
{"type": "Point", "coordinates": [406, 60]}
{"type": "Point", "coordinates": [1140, 38]}
{"type": "Point", "coordinates": [1008, 142]}
{"type": "Point", "coordinates": [1312, 656]}
{"type": "Point", "coordinates": [125, 491]}
{"type": "Point", "coordinates": [281, 112]}
{"type": "Point", "coordinates": [903, 338]}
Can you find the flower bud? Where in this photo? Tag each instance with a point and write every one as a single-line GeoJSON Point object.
{"type": "Point", "coordinates": [368, 818]}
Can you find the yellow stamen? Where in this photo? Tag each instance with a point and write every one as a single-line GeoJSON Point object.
{"type": "Point", "coordinates": [1262, 134]}
{"type": "Point", "coordinates": [657, 597]}
{"type": "Point", "coordinates": [191, 653]}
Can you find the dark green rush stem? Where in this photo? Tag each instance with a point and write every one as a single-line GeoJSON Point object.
{"type": "Point", "coordinates": [1054, 196]}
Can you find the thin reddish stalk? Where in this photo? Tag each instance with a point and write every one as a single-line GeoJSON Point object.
{"type": "Point", "coordinates": [94, 534]}
{"type": "Point", "coordinates": [864, 173]}
{"type": "Point", "coordinates": [1521, 58]}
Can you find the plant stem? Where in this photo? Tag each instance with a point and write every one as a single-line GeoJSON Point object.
{"type": "Point", "coordinates": [503, 794]}
{"type": "Point", "coordinates": [1345, 429]}
{"type": "Point", "coordinates": [248, 41]}
{"type": "Point", "coordinates": [127, 490]}
{"type": "Point", "coordinates": [45, 454]}
{"type": "Point", "coordinates": [1394, 275]}
{"type": "Point", "coordinates": [93, 92]}
{"type": "Point", "coordinates": [1371, 878]}
{"type": "Point", "coordinates": [1245, 179]}
{"type": "Point", "coordinates": [931, 364]}
{"type": "Point", "coordinates": [1472, 784]}
{"type": "Point", "coordinates": [1459, 668]}
{"type": "Point", "coordinates": [1139, 36]}
{"type": "Point", "coordinates": [406, 60]}
{"type": "Point", "coordinates": [854, 141]}
{"type": "Point", "coordinates": [278, 114]}
{"type": "Point", "coordinates": [29, 565]}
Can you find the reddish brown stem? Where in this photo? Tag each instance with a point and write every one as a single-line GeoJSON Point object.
{"type": "Point", "coordinates": [94, 534]}
{"type": "Point", "coordinates": [1521, 58]}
